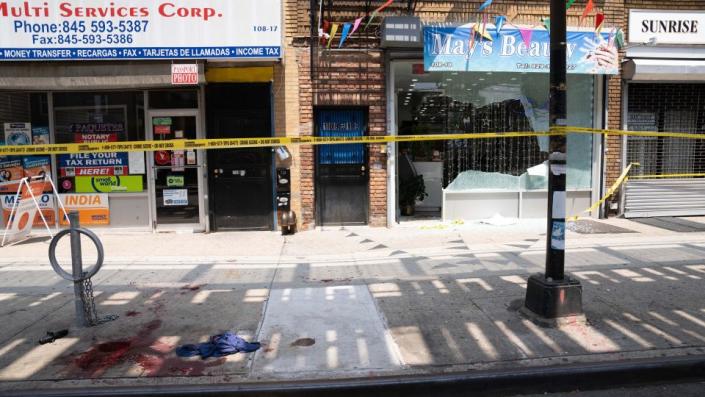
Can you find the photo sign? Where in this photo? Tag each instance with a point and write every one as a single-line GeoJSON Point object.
{"type": "Point", "coordinates": [514, 50]}
{"type": "Point", "coordinates": [139, 29]}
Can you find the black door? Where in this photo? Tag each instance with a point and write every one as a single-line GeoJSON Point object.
{"type": "Point", "coordinates": [240, 180]}
{"type": "Point", "coordinates": [341, 170]}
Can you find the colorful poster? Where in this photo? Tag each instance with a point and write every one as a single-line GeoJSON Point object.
{"type": "Point", "coordinates": [109, 184]}
{"type": "Point", "coordinates": [18, 134]}
{"type": "Point", "coordinates": [40, 136]}
{"type": "Point", "coordinates": [93, 164]}
{"type": "Point", "coordinates": [515, 50]}
{"type": "Point", "coordinates": [175, 197]}
{"type": "Point", "coordinates": [93, 209]}
{"type": "Point", "coordinates": [178, 160]}
{"type": "Point", "coordinates": [11, 172]}
{"type": "Point", "coordinates": [46, 204]}
{"type": "Point", "coordinates": [37, 166]}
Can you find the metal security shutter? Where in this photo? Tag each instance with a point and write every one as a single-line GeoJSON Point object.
{"type": "Point", "coordinates": [668, 108]}
{"type": "Point", "coordinates": [665, 197]}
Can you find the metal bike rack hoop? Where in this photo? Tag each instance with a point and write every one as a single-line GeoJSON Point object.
{"type": "Point", "coordinates": [63, 273]}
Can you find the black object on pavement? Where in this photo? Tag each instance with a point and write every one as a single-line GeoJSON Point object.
{"type": "Point", "coordinates": [52, 336]}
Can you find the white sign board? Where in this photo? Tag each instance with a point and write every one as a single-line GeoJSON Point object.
{"type": "Point", "coordinates": [175, 197]}
{"type": "Point", "coordinates": [184, 74]}
{"type": "Point", "coordinates": [667, 27]}
{"type": "Point", "coordinates": [139, 29]}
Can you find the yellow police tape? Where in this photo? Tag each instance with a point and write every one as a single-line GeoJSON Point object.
{"type": "Point", "coordinates": [622, 179]}
{"type": "Point", "coordinates": [208, 144]}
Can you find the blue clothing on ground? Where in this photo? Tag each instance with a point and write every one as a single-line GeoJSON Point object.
{"type": "Point", "coordinates": [218, 346]}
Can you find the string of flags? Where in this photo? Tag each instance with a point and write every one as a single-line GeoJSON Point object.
{"type": "Point", "coordinates": [329, 30]}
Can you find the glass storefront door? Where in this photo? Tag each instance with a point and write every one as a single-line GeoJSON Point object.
{"type": "Point", "coordinates": [177, 174]}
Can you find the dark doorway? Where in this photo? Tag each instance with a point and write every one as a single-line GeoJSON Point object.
{"type": "Point", "coordinates": [240, 180]}
{"type": "Point", "coordinates": [341, 170]}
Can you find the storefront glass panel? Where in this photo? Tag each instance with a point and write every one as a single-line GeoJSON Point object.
{"type": "Point", "coordinates": [476, 102]}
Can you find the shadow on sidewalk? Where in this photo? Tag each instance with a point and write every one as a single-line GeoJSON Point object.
{"type": "Point", "coordinates": [422, 313]}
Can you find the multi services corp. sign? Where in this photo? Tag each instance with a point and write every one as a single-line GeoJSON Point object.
{"type": "Point", "coordinates": [139, 29]}
{"type": "Point", "coordinates": [668, 27]}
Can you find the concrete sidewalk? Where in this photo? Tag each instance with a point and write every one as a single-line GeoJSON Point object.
{"type": "Point", "coordinates": [421, 298]}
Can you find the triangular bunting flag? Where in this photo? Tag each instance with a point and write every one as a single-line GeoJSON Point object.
{"type": "Point", "coordinates": [546, 23]}
{"type": "Point", "coordinates": [325, 30]}
{"type": "Point", "coordinates": [376, 11]}
{"type": "Point", "coordinates": [482, 32]}
{"type": "Point", "coordinates": [344, 35]}
{"type": "Point", "coordinates": [499, 22]}
{"type": "Point", "coordinates": [486, 4]}
{"type": "Point", "coordinates": [333, 32]}
{"type": "Point", "coordinates": [356, 25]}
{"type": "Point", "coordinates": [599, 19]}
{"type": "Point", "coordinates": [569, 3]}
{"type": "Point", "coordinates": [588, 8]}
{"type": "Point", "coordinates": [619, 38]}
{"type": "Point", "coordinates": [526, 35]}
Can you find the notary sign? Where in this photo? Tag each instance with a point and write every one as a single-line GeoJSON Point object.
{"type": "Point", "coordinates": [184, 74]}
{"type": "Point", "coordinates": [139, 29]}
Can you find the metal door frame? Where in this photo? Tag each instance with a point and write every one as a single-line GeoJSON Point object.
{"type": "Point", "coordinates": [202, 225]}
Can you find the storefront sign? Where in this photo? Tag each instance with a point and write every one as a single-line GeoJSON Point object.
{"type": "Point", "coordinates": [401, 31]}
{"type": "Point", "coordinates": [138, 29]}
{"type": "Point", "coordinates": [161, 121]}
{"type": "Point", "coordinates": [109, 184]}
{"type": "Point", "coordinates": [88, 164]}
{"type": "Point", "coordinates": [184, 74]}
{"type": "Point", "coordinates": [451, 49]}
{"type": "Point", "coordinates": [667, 27]}
{"type": "Point", "coordinates": [46, 204]}
{"type": "Point", "coordinates": [175, 181]}
{"type": "Point", "coordinates": [175, 197]}
{"type": "Point", "coordinates": [162, 129]}
{"type": "Point", "coordinates": [93, 209]}
{"type": "Point", "coordinates": [96, 132]}
{"type": "Point", "coordinates": [18, 134]}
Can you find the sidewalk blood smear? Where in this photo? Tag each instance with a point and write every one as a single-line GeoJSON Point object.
{"type": "Point", "coordinates": [143, 349]}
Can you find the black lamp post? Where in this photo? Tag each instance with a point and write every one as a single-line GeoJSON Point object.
{"type": "Point", "coordinates": [553, 294]}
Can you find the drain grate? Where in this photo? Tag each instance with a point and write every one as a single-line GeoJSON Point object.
{"type": "Point", "coordinates": [585, 226]}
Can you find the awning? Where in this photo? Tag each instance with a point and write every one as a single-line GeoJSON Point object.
{"type": "Point", "coordinates": [57, 76]}
{"type": "Point", "coordinates": [663, 70]}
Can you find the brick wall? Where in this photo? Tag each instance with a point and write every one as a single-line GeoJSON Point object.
{"type": "Point", "coordinates": [343, 87]}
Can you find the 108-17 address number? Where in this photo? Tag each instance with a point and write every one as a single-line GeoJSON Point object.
{"type": "Point", "coordinates": [262, 28]}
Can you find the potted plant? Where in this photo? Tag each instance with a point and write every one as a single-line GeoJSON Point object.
{"type": "Point", "coordinates": [411, 190]}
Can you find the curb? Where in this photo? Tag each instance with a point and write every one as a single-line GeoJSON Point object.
{"type": "Point", "coordinates": [480, 383]}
